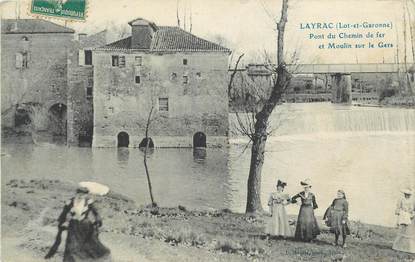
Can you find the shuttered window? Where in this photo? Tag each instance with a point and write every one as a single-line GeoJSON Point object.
{"type": "Point", "coordinates": [164, 104]}
{"type": "Point", "coordinates": [22, 60]}
{"type": "Point", "coordinates": [122, 61]}
{"type": "Point", "coordinates": [19, 60]}
{"type": "Point", "coordinates": [138, 60]}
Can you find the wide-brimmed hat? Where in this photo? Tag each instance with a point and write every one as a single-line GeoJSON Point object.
{"type": "Point", "coordinates": [281, 183]}
{"type": "Point", "coordinates": [94, 188]}
{"type": "Point", "coordinates": [407, 191]}
{"type": "Point", "coordinates": [306, 183]}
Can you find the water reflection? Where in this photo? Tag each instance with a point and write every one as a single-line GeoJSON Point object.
{"type": "Point", "coordinates": [123, 155]}
{"type": "Point", "coordinates": [199, 155]}
{"type": "Point", "coordinates": [335, 148]}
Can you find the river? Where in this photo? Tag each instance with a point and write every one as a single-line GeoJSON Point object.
{"type": "Point", "coordinates": [368, 152]}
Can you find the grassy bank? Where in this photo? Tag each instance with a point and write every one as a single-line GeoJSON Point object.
{"type": "Point", "coordinates": [30, 209]}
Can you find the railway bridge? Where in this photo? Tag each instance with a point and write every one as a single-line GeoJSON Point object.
{"type": "Point", "coordinates": [341, 75]}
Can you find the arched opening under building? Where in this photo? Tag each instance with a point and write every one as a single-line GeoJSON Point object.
{"type": "Point", "coordinates": [57, 119]}
{"type": "Point", "coordinates": [143, 143]}
{"type": "Point", "coordinates": [85, 136]}
{"type": "Point", "coordinates": [22, 118]}
{"type": "Point", "coordinates": [199, 140]}
{"type": "Point", "coordinates": [123, 139]}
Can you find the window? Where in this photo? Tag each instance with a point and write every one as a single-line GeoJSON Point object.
{"type": "Point", "coordinates": [185, 80]}
{"type": "Point", "coordinates": [90, 84]}
{"type": "Point", "coordinates": [173, 76]}
{"type": "Point", "coordinates": [184, 61]}
{"type": "Point", "coordinates": [122, 61]}
{"type": "Point", "coordinates": [163, 104]}
{"type": "Point", "coordinates": [198, 74]}
{"type": "Point", "coordinates": [88, 57]}
{"type": "Point", "coordinates": [115, 60]}
{"type": "Point", "coordinates": [21, 60]}
{"type": "Point", "coordinates": [118, 61]}
{"type": "Point", "coordinates": [137, 79]}
{"type": "Point", "coordinates": [89, 92]}
{"type": "Point", "coordinates": [138, 60]}
{"type": "Point", "coordinates": [25, 38]}
{"type": "Point", "coordinates": [24, 62]}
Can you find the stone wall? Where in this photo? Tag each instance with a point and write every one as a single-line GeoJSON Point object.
{"type": "Point", "coordinates": [42, 83]}
{"type": "Point", "coordinates": [120, 104]}
{"type": "Point", "coordinates": [80, 103]}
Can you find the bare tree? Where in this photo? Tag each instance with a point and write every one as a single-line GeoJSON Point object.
{"type": "Point", "coordinates": [147, 140]}
{"type": "Point", "coordinates": [235, 70]}
{"type": "Point", "coordinates": [260, 134]}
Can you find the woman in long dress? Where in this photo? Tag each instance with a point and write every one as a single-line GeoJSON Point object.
{"type": "Point", "coordinates": [338, 217]}
{"type": "Point", "coordinates": [405, 240]}
{"type": "Point", "coordinates": [307, 228]}
{"type": "Point", "coordinates": [83, 221]}
{"type": "Point", "coordinates": [278, 224]}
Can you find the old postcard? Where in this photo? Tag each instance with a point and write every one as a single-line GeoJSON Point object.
{"type": "Point", "coordinates": [223, 130]}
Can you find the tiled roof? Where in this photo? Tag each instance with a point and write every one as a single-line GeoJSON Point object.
{"type": "Point", "coordinates": [120, 44]}
{"type": "Point", "coordinates": [31, 26]}
{"type": "Point", "coordinates": [168, 38]}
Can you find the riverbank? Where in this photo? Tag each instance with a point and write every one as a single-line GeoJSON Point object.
{"type": "Point", "coordinates": [30, 209]}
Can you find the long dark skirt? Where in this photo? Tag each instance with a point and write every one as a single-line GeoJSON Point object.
{"type": "Point", "coordinates": [307, 228]}
{"type": "Point", "coordinates": [82, 243]}
{"type": "Point", "coordinates": [337, 226]}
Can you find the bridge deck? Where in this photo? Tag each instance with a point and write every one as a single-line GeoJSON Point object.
{"type": "Point", "coordinates": [348, 68]}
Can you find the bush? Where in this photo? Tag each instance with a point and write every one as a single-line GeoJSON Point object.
{"type": "Point", "coordinates": [386, 93]}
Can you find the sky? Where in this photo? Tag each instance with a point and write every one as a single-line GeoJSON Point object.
{"type": "Point", "coordinates": [249, 26]}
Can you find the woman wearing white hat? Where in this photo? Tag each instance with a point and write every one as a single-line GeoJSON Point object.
{"type": "Point", "coordinates": [307, 228]}
{"type": "Point", "coordinates": [278, 224]}
{"type": "Point", "coordinates": [81, 219]}
{"type": "Point", "coordinates": [405, 240]}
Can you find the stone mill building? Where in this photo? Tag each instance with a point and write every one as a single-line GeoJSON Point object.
{"type": "Point", "coordinates": [179, 77]}
{"type": "Point", "coordinates": [34, 74]}
{"type": "Point", "coordinates": [89, 92]}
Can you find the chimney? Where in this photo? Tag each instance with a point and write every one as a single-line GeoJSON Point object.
{"type": "Point", "coordinates": [82, 37]}
{"type": "Point", "coordinates": [142, 32]}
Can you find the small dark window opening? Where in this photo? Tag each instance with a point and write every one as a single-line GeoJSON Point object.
{"type": "Point", "coordinates": [137, 79]}
{"type": "Point", "coordinates": [89, 92]}
{"type": "Point", "coordinates": [24, 60]}
{"type": "Point", "coordinates": [185, 79]}
{"type": "Point", "coordinates": [88, 57]}
{"type": "Point", "coordinates": [198, 74]}
{"type": "Point", "coordinates": [115, 60]}
{"type": "Point", "coordinates": [185, 61]}
{"type": "Point", "coordinates": [25, 38]}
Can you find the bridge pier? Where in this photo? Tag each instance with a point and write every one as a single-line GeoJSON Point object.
{"type": "Point", "coordinates": [341, 88]}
